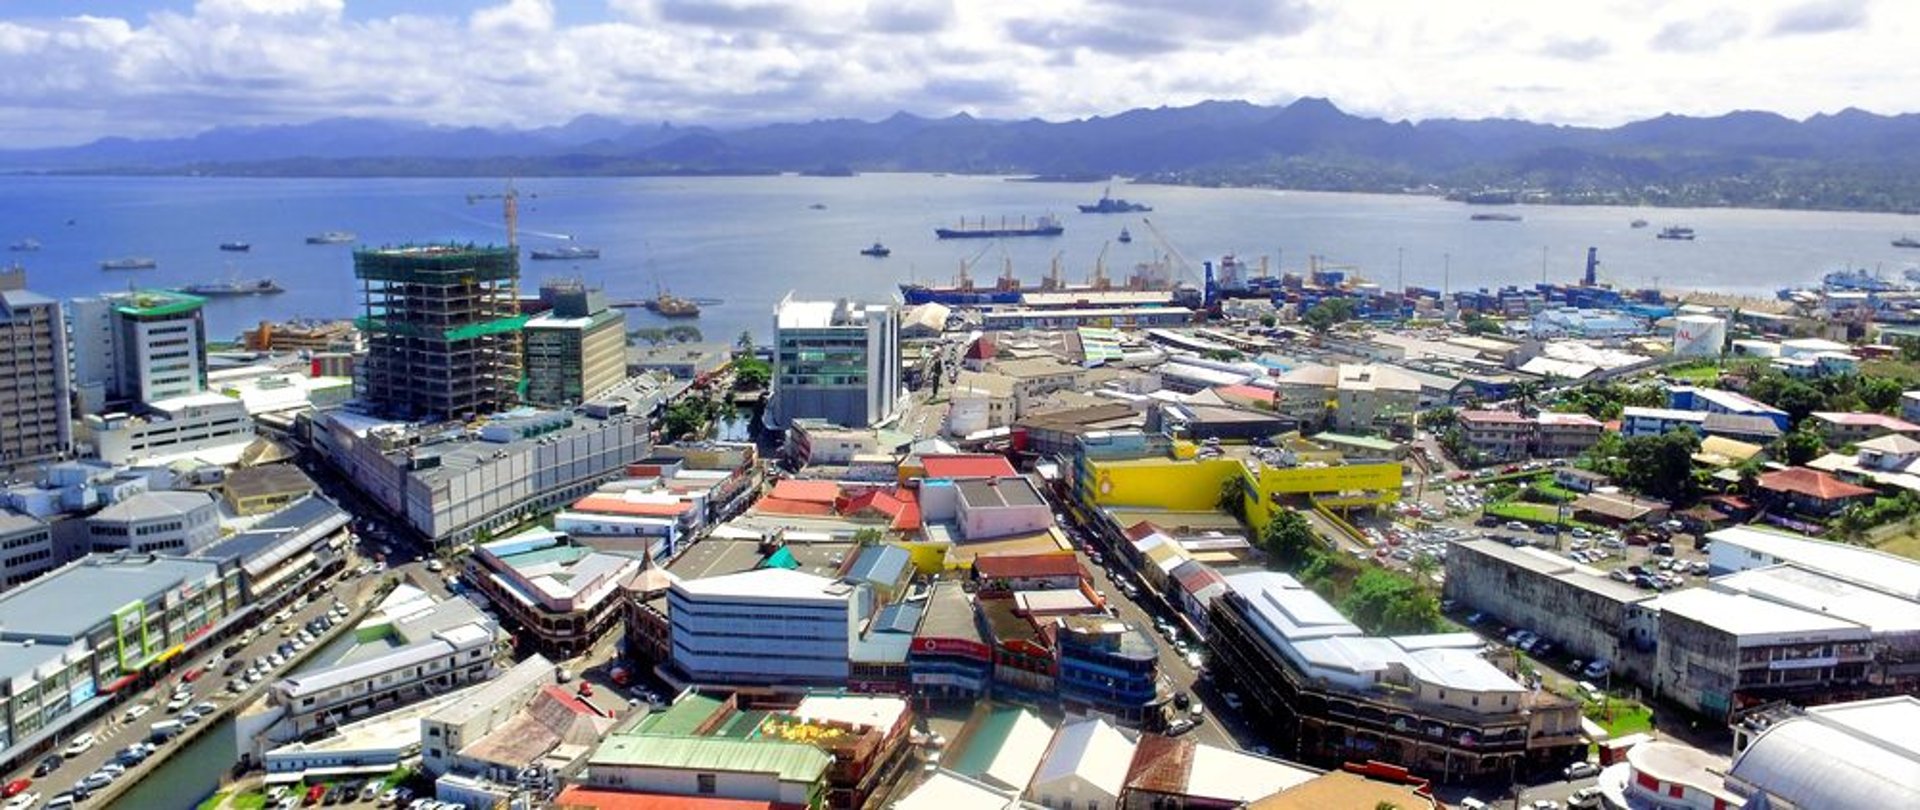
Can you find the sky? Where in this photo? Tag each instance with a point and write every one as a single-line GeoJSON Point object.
{"type": "Point", "coordinates": [75, 70]}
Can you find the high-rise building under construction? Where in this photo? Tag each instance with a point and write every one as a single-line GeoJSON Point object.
{"type": "Point", "coordinates": [442, 324]}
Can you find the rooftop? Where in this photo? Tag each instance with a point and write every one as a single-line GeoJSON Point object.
{"type": "Point", "coordinates": [978, 465]}
{"type": "Point", "coordinates": [1001, 746]}
{"type": "Point", "coordinates": [787, 762]}
{"type": "Point", "coordinates": [949, 615]}
{"type": "Point", "coordinates": [579, 797]}
{"type": "Point", "coordinates": [1739, 614]}
{"type": "Point", "coordinates": [1811, 483]}
{"type": "Point", "coordinates": [155, 505]}
{"type": "Point", "coordinates": [1029, 565]}
{"type": "Point", "coordinates": [1090, 749]}
{"type": "Point", "coordinates": [270, 479]}
{"type": "Point", "coordinates": [766, 584]}
{"type": "Point", "coordinates": [68, 601]}
{"type": "Point", "coordinates": [795, 314]}
{"type": "Point", "coordinates": [1876, 569]}
{"type": "Point", "coordinates": [1014, 491]}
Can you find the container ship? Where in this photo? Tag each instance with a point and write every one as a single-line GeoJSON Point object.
{"type": "Point", "coordinates": [1046, 225]}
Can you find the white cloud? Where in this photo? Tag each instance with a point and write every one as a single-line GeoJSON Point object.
{"type": "Point", "coordinates": [522, 63]}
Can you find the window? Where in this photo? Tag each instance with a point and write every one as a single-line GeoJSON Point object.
{"type": "Point", "coordinates": [708, 783]}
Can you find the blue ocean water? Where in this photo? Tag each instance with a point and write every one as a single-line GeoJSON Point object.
{"type": "Point", "coordinates": [746, 241]}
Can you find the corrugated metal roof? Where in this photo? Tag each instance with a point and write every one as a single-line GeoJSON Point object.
{"type": "Point", "coordinates": [788, 762]}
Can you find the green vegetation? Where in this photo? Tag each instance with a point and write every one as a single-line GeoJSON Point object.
{"type": "Point", "coordinates": [1381, 601]}
{"type": "Point", "coordinates": [1478, 324]}
{"type": "Point", "coordinates": [1659, 466]}
{"type": "Point", "coordinates": [1529, 512]}
{"type": "Point", "coordinates": [751, 373]}
{"type": "Point", "coordinates": [1703, 373]}
{"type": "Point", "coordinates": [1377, 600]}
{"type": "Point", "coordinates": [1619, 716]}
{"type": "Point", "coordinates": [1328, 314]}
{"type": "Point", "coordinates": [692, 416]}
{"type": "Point", "coordinates": [1854, 522]}
{"type": "Point", "coordinates": [1605, 400]}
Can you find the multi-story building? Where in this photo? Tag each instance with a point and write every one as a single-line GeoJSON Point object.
{"type": "Point", "coordinates": [26, 548]}
{"type": "Point", "coordinates": [1839, 428]}
{"type": "Point", "coordinates": [304, 336]}
{"type": "Point", "coordinates": [560, 596]}
{"type": "Point", "coordinates": [440, 660]}
{"type": "Point", "coordinates": [1591, 616]}
{"type": "Point", "coordinates": [137, 347]}
{"type": "Point", "coordinates": [681, 361]}
{"type": "Point", "coordinates": [1564, 435]}
{"type": "Point", "coordinates": [950, 657]}
{"type": "Point", "coordinates": [448, 482]}
{"type": "Point", "coordinates": [35, 387]}
{"type": "Point", "coordinates": [1720, 651]}
{"type": "Point", "coordinates": [479, 712]}
{"type": "Point", "coordinates": [1351, 398]}
{"type": "Point", "coordinates": [192, 423]}
{"type": "Point", "coordinates": [577, 349]}
{"type": "Point", "coordinates": [1713, 400]}
{"type": "Point", "coordinates": [169, 522]}
{"type": "Point", "coordinates": [1108, 667]}
{"type": "Point", "coordinates": [1496, 435]}
{"type": "Point", "coordinates": [766, 626]}
{"type": "Point", "coordinates": [443, 328]}
{"type": "Point", "coordinates": [1332, 694]}
{"type": "Point", "coordinates": [834, 360]}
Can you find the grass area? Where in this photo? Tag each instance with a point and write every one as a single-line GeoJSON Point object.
{"type": "Point", "coordinates": [244, 801]}
{"type": "Point", "coordinates": [1529, 512]}
{"type": "Point", "coordinates": [1906, 545]}
{"type": "Point", "coordinates": [1695, 373]}
{"type": "Point", "coordinates": [213, 801]}
{"type": "Point", "coordinates": [1620, 716]}
{"type": "Point", "coordinates": [1907, 373]}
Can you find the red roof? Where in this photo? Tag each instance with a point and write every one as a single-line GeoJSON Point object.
{"type": "Point", "coordinates": [795, 489]}
{"type": "Point", "coordinates": [1878, 420]}
{"type": "Point", "coordinates": [1492, 417]}
{"type": "Point", "coordinates": [982, 349]}
{"type": "Point", "coordinates": [616, 505]}
{"type": "Point", "coordinates": [575, 797]}
{"type": "Point", "coordinates": [1811, 483]}
{"type": "Point", "coordinates": [1141, 531]}
{"type": "Point", "coordinates": [968, 465]}
{"type": "Point", "coordinates": [1028, 565]}
{"type": "Point", "coordinates": [572, 701]}
{"type": "Point", "coordinates": [901, 507]}
{"type": "Point", "coordinates": [784, 506]}
{"type": "Point", "coordinates": [1253, 392]}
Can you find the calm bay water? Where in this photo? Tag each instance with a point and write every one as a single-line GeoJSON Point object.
{"type": "Point", "coordinates": [747, 241]}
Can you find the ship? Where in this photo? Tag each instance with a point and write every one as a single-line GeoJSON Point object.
{"type": "Point", "coordinates": [1007, 290]}
{"type": "Point", "coordinates": [331, 238]}
{"type": "Point", "coordinates": [1495, 217]}
{"type": "Point", "coordinates": [1858, 279]}
{"type": "Point", "coordinates": [130, 263]}
{"type": "Point", "coordinates": [1110, 204]}
{"type": "Point", "coordinates": [1046, 225]}
{"type": "Point", "coordinates": [565, 252]}
{"type": "Point", "coordinates": [1906, 242]}
{"type": "Point", "coordinates": [234, 287]}
{"type": "Point", "coordinates": [877, 250]}
{"type": "Point", "coordinates": [668, 305]}
{"type": "Point", "coordinates": [1681, 233]}
{"type": "Point", "coordinates": [27, 245]}
{"type": "Point", "coordinates": [1125, 236]}
{"type": "Point", "coordinates": [1638, 223]}
{"type": "Point", "coordinates": [235, 247]}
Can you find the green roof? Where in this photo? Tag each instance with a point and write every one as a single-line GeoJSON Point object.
{"type": "Point", "coordinates": [686, 715]}
{"type": "Point", "coordinates": [741, 725]}
{"type": "Point", "coordinates": [156, 303]}
{"type": "Point", "coordinates": [789, 762]}
{"type": "Point", "coordinates": [564, 555]}
{"type": "Point", "coordinates": [985, 742]}
{"type": "Point", "coordinates": [470, 331]}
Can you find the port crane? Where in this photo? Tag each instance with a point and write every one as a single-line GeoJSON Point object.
{"type": "Point", "coordinates": [510, 210]}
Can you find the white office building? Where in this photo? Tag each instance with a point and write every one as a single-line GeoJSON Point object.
{"type": "Point", "coordinates": [446, 660]}
{"type": "Point", "coordinates": [169, 522]}
{"type": "Point", "coordinates": [210, 426]}
{"type": "Point", "coordinates": [766, 626]}
{"type": "Point", "coordinates": [834, 360]}
{"type": "Point", "coordinates": [137, 347]}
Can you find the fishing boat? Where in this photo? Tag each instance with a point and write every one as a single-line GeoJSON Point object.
{"type": "Point", "coordinates": [331, 238]}
{"type": "Point", "coordinates": [877, 250]}
{"type": "Point", "coordinates": [1125, 236]}
{"type": "Point", "coordinates": [130, 263]}
{"type": "Point", "coordinates": [235, 247]}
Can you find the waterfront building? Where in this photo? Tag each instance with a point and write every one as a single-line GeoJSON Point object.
{"type": "Point", "coordinates": [36, 390]}
{"type": "Point", "coordinates": [135, 347]}
{"type": "Point", "coordinates": [577, 349]}
{"type": "Point", "coordinates": [834, 360]}
{"type": "Point", "coordinates": [428, 648]}
{"type": "Point", "coordinates": [443, 327]}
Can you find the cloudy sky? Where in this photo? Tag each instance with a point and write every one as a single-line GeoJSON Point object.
{"type": "Point", "coordinates": [75, 70]}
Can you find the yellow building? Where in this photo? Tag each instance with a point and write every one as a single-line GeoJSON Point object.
{"type": "Point", "coordinates": [1191, 484]}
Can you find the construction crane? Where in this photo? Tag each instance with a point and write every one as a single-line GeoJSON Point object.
{"type": "Point", "coordinates": [510, 205]}
{"type": "Point", "coordinates": [1172, 252]}
{"type": "Point", "coordinates": [510, 212]}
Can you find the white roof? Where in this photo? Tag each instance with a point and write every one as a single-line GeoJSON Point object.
{"type": "Point", "coordinates": [1752, 618]}
{"type": "Point", "coordinates": [772, 584]}
{"type": "Point", "coordinates": [1564, 369]}
{"type": "Point", "coordinates": [1289, 612]}
{"type": "Point", "coordinates": [1465, 670]}
{"type": "Point", "coordinates": [1876, 569]}
{"type": "Point", "coordinates": [1220, 773]}
{"type": "Point", "coordinates": [1090, 750]}
{"type": "Point", "coordinates": [876, 711]}
{"type": "Point", "coordinates": [1019, 755]}
{"type": "Point", "coordinates": [1812, 590]}
{"type": "Point", "coordinates": [1861, 754]}
{"type": "Point", "coordinates": [946, 790]}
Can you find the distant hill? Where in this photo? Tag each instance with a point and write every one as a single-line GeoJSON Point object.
{"type": "Point", "coordinates": [1852, 160]}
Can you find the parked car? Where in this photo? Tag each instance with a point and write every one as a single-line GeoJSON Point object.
{"type": "Point", "coordinates": [48, 764]}
{"type": "Point", "coordinates": [78, 745]}
{"type": "Point", "coordinates": [1581, 770]}
{"type": "Point", "coordinates": [1588, 796]}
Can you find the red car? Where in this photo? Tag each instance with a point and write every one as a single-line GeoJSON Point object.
{"type": "Point", "coordinates": [586, 689]}
{"type": "Point", "coordinates": [15, 788]}
{"type": "Point", "coordinates": [315, 794]}
{"type": "Point", "coordinates": [192, 675]}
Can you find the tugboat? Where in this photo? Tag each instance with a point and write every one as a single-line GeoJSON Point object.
{"type": "Point", "coordinates": [1678, 232]}
{"type": "Point", "coordinates": [877, 250]}
{"type": "Point", "coordinates": [27, 245]}
{"type": "Point", "coordinates": [1110, 204]}
{"type": "Point", "coordinates": [1125, 236]}
{"type": "Point", "coordinates": [331, 238]}
{"type": "Point", "coordinates": [235, 247]}
{"type": "Point", "coordinates": [130, 263]}
{"type": "Point", "coordinates": [565, 252]}
{"type": "Point", "coordinates": [668, 305]}
{"type": "Point", "coordinates": [1906, 242]}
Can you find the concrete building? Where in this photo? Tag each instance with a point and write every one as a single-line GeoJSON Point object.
{"type": "Point", "coordinates": [442, 328]}
{"type": "Point", "coordinates": [1713, 400]}
{"type": "Point", "coordinates": [766, 626]}
{"type": "Point", "coordinates": [137, 347]}
{"type": "Point", "coordinates": [479, 711]}
{"type": "Point", "coordinates": [1315, 681]}
{"type": "Point", "coordinates": [267, 488]}
{"type": "Point", "coordinates": [1350, 398]}
{"type": "Point", "coordinates": [576, 350]}
{"type": "Point", "coordinates": [682, 361]}
{"type": "Point", "coordinates": [284, 552]}
{"type": "Point", "coordinates": [447, 482]}
{"type": "Point", "coordinates": [559, 596]}
{"type": "Point", "coordinates": [166, 522]}
{"type": "Point", "coordinates": [834, 360]}
{"type": "Point", "coordinates": [1718, 650]}
{"type": "Point", "coordinates": [309, 336]}
{"type": "Point", "coordinates": [1590, 615]}
{"type": "Point", "coordinates": [26, 548]}
{"type": "Point", "coordinates": [208, 425]}
{"type": "Point", "coordinates": [432, 659]}
{"type": "Point", "coordinates": [1564, 435]}
{"type": "Point", "coordinates": [1107, 668]}
{"type": "Point", "coordinates": [1085, 767]}
{"type": "Point", "coordinates": [1496, 435]}
{"type": "Point", "coordinates": [36, 419]}
{"type": "Point", "coordinates": [1858, 754]}
{"type": "Point", "coordinates": [1839, 428]}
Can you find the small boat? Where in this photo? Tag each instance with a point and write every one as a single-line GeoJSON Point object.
{"type": "Point", "coordinates": [235, 247]}
{"type": "Point", "coordinates": [27, 245]}
{"type": "Point", "coordinates": [1125, 236]}
{"type": "Point", "coordinates": [332, 238]}
{"type": "Point", "coordinates": [566, 252]}
{"type": "Point", "coordinates": [1906, 242]}
{"type": "Point", "coordinates": [877, 250]}
{"type": "Point", "coordinates": [130, 263]}
{"type": "Point", "coordinates": [1495, 217]}
{"type": "Point", "coordinates": [818, 206]}
{"type": "Point", "coordinates": [1678, 232]}
{"type": "Point", "coordinates": [234, 287]}
{"type": "Point", "coordinates": [1638, 223]}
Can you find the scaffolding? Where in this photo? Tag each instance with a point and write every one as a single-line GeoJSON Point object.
{"type": "Point", "coordinates": [443, 325]}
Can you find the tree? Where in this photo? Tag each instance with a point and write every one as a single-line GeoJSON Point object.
{"type": "Point", "coordinates": [1881, 394]}
{"type": "Point", "coordinates": [744, 343]}
{"type": "Point", "coordinates": [1799, 447]}
{"type": "Point", "coordinates": [683, 333]}
{"type": "Point", "coordinates": [1661, 466]}
{"type": "Point", "coordinates": [1233, 497]}
{"type": "Point", "coordinates": [1525, 392]}
{"type": "Point", "coordinates": [1289, 539]}
{"type": "Point", "coordinates": [751, 373]}
{"type": "Point", "coordinates": [1477, 324]}
{"type": "Point", "coordinates": [1439, 419]}
{"type": "Point", "coordinates": [685, 417]}
{"type": "Point", "coordinates": [1328, 313]}
{"type": "Point", "coordinates": [1382, 602]}
{"type": "Point", "coordinates": [1222, 355]}
{"type": "Point", "coordinates": [654, 336]}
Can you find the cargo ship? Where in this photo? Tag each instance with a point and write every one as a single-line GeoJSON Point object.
{"type": "Point", "coordinates": [1007, 290]}
{"type": "Point", "coordinates": [1677, 232]}
{"type": "Point", "coordinates": [1046, 225]}
{"type": "Point", "coordinates": [234, 287]}
{"type": "Point", "coordinates": [1495, 217]}
{"type": "Point", "coordinates": [130, 263]}
{"type": "Point", "coordinates": [331, 238]}
{"type": "Point", "coordinates": [235, 247]}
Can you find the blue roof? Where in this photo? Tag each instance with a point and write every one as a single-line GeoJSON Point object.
{"type": "Point", "coordinates": [880, 565]}
{"type": "Point", "coordinates": [900, 617]}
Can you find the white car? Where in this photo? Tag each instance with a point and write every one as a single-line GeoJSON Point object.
{"type": "Point", "coordinates": [78, 746]}
{"type": "Point", "coordinates": [1582, 770]}
{"type": "Point", "coordinates": [137, 712]}
{"type": "Point", "coordinates": [1585, 797]}
{"type": "Point", "coordinates": [179, 702]}
{"type": "Point", "coordinates": [24, 801]}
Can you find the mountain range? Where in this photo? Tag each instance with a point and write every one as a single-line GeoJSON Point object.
{"type": "Point", "coordinates": [1853, 159]}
